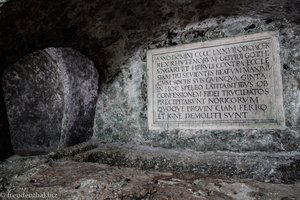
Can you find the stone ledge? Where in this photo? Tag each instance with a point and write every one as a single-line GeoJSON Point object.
{"type": "Point", "coordinates": [262, 166]}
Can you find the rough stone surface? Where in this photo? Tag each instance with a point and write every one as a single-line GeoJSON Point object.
{"type": "Point", "coordinates": [121, 110]}
{"type": "Point", "coordinates": [50, 98]}
{"type": "Point", "coordinates": [80, 86]}
{"type": "Point", "coordinates": [265, 167]}
{"type": "Point", "coordinates": [16, 165]}
{"type": "Point", "coordinates": [116, 34]}
{"type": "Point", "coordinates": [73, 180]}
{"type": "Point", "coordinates": [108, 32]}
{"type": "Point", "coordinates": [34, 100]}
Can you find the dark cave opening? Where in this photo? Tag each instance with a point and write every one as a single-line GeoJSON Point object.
{"type": "Point", "coordinates": [6, 149]}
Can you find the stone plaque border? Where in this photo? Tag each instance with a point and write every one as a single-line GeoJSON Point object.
{"type": "Point", "coordinates": [278, 122]}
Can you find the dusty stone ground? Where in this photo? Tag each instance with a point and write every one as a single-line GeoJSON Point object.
{"type": "Point", "coordinates": [58, 176]}
{"type": "Point", "coordinates": [76, 180]}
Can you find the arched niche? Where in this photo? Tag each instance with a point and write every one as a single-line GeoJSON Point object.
{"type": "Point", "coordinates": [50, 98]}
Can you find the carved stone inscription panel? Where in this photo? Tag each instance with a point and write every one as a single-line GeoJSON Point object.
{"type": "Point", "coordinates": [232, 83]}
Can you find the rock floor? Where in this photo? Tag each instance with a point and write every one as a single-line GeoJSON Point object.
{"type": "Point", "coordinates": [63, 179]}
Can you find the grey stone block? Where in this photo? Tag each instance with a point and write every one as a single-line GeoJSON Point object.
{"type": "Point", "coordinates": [50, 98]}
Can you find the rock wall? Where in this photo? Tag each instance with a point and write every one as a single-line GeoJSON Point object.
{"type": "Point", "coordinates": [50, 98]}
{"type": "Point", "coordinates": [109, 32]}
{"type": "Point", "coordinates": [115, 36]}
{"type": "Point", "coordinates": [121, 113]}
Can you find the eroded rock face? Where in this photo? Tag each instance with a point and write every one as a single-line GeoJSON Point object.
{"type": "Point", "coordinates": [50, 99]}
{"type": "Point", "coordinates": [34, 100]}
{"type": "Point", "coordinates": [109, 32]}
{"type": "Point", "coordinates": [116, 36]}
{"type": "Point", "coordinates": [80, 87]}
{"type": "Point", "coordinates": [122, 106]}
